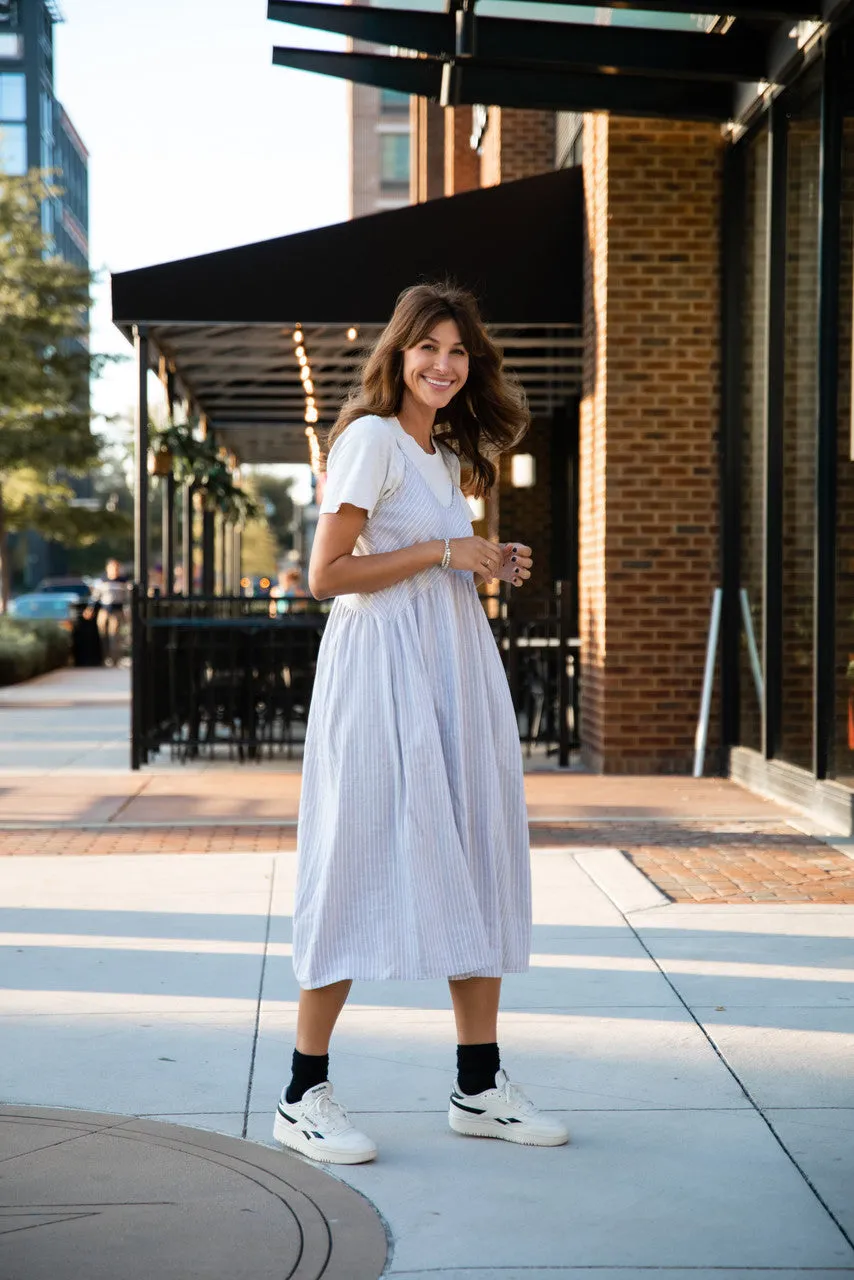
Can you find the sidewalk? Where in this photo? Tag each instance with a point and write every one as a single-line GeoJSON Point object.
{"type": "Point", "coordinates": [700, 1050]}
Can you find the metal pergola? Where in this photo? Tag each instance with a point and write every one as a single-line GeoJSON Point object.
{"type": "Point", "coordinates": [586, 59]}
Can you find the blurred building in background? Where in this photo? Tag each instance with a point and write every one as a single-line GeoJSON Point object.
{"type": "Point", "coordinates": [379, 144]}
{"type": "Point", "coordinates": [36, 133]}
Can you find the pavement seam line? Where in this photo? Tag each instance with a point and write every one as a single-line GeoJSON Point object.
{"type": "Point", "coordinates": [556, 820]}
{"type": "Point", "coordinates": [257, 1029]}
{"type": "Point", "coordinates": [143, 786]}
{"type": "Point", "coordinates": [721, 1057]}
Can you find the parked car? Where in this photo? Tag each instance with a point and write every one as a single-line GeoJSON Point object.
{"type": "Point", "coordinates": [50, 606]}
{"type": "Point", "coordinates": [65, 586]}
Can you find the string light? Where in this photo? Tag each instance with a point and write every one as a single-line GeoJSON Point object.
{"type": "Point", "coordinates": [352, 334]}
{"type": "Point", "coordinates": [311, 413]}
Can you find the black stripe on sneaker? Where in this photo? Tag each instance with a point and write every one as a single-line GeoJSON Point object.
{"type": "Point", "coordinates": [475, 1111]}
{"type": "Point", "coordinates": [285, 1116]}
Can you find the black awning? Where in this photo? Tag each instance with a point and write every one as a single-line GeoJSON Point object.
{"type": "Point", "coordinates": [517, 245]}
{"type": "Point", "coordinates": [224, 322]}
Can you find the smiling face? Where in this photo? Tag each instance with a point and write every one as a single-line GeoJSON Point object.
{"type": "Point", "coordinates": [436, 368]}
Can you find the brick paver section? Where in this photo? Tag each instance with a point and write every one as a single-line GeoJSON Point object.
{"type": "Point", "coordinates": [730, 862]}
{"type": "Point", "coordinates": [699, 862]}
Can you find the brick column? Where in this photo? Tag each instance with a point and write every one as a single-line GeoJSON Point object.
{"type": "Point", "coordinates": [462, 165]}
{"type": "Point", "coordinates": [427, 155]}
{"type": "Point", "coordinates": [517, 144]}
{"type": "Point", "coordinates": [648, 553]}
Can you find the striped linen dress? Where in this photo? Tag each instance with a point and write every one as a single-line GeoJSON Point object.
{"type": "Point", "coordinates": [413, 850]}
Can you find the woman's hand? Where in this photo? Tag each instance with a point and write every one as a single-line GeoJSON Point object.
{"type": "Point", "coordinates": [478, 554]}
{"type": "Point", "coordinates": [516, 563]}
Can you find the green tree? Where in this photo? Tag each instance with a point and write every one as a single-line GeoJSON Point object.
{"type": "Point", "coordinates": [45, 368]}
{"type": "Point", "coordinates": [273, 492]}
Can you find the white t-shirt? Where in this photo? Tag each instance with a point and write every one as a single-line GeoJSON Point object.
{"type": "Point", "coordinates": [364, 465]}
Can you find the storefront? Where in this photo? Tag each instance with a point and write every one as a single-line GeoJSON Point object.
{"type": "Point", "coordinates": [790, 193]}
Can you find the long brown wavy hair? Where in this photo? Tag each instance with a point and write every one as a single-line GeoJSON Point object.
{"type": "Point", "coordinates": [486, 417]}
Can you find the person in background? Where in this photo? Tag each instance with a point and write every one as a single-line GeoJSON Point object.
{"type": "Point", "coordinates": [110, 596]}
{"type": "Point", "coordinates": [288, 587]}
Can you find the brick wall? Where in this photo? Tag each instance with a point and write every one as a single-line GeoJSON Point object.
{"type": "Point", "coordinates": [526, 514]}
{"type": "Point", "coordinates": [517, 144]}
{"type": "Point", "coordinates": [648, 546]}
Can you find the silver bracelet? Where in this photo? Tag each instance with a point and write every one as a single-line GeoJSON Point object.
{"type": "Point", "coordinates": [446, 557]}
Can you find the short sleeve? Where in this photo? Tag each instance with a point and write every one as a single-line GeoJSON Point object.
{"type": "Point", "coordinates": [359, 465]}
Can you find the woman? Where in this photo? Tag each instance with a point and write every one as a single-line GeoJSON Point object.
{"type": "Point", "coordinates": [413, 838]}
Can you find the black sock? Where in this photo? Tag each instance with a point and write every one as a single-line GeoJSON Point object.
{"type": "Point", "coordinates": [309, 1069]}
{"type": "Point", "coordinates": [476, 1067]}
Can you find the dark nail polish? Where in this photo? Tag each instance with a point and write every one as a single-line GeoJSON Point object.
{"type": "Point", "coordinates": [512, 557]}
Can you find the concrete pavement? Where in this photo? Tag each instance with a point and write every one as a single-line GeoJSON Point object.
{"type": "Point", "coordinates": [700, 1053]}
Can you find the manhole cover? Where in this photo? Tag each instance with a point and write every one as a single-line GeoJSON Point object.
{"type": "Point", "coordinates": [85, 1196]}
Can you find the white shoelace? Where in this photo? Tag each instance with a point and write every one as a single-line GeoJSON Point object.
{"type": "Point", "coordinates": [518, 1099]}
{"type": "Point", "coordinates": [329, 1112]}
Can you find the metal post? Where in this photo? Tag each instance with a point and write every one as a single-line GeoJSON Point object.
{"type": "Point", "coordinates": [207, 552]}
{"type": "Point", "coordinates": [564, 631]}
{"type": "Point", "coordinates": [702, 734]}
{"type": "Point", "coordinates": [187, 537]}
{"type": "Point", "coordinates": [168, 557]}
{"type": "Point", "coordinates": [829, 252]}
{"type": "Point", "coordinates": [238, 559]}
{"type": "Point", "coordinates": [136, 702]}
{"type": "Point", "coordinates": [140, 544]}
{"type": "Point", "coordinates": [224, 557]}
{"type": "Point", "coordinates": [140, 497]}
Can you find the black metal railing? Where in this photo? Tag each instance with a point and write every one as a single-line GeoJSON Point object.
{"type": "Point", "coordinates": [222, 673]}
{"type": "Point", "coordinates": [536, 636]}
{"type": "Point", "coordinates": [234, 674]}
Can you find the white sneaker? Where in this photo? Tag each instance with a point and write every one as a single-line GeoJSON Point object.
{"type": "Point", "coordinates": [320, 1128]}
{"type": "Point", "coordinates": [504, 1112]}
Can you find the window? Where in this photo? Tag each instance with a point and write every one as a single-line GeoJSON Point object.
{"type": "Point", "coordinates": [843, 763]}
{"type": "Point", "coordinates": [392, 100]}
{"type": "Point", "coordinates": [13, 96]}
{"type": "Point", "coordinates": [800, 409]}
{"type": "Point", "coordinates": [11, 46]}
{"type": "Point", "coordinates": [13, 149]}
{"type": "Point", "coordinates": [46, 110]}
{"type": "Point", "coordinates": [754, 269]}
{"type": "Point", "coordinates": [394, 159]}
{"type": "Point", "coordinates": [8, 13]}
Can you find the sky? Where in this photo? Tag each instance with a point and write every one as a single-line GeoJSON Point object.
{"type": "Point", "coordinates": [196, 141]}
